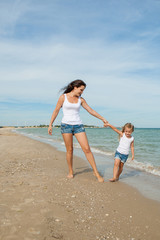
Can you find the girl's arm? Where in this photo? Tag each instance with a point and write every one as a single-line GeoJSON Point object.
{"type": "Point", "coordinates": [55, 113]}
{"type": "Point", "coordinates": [91, 111]}
{"type": "Point", "coordinates": [114, 129]}
{"type": "Point", "coordinates": [132, 149]}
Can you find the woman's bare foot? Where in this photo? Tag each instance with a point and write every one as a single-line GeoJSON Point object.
{"type": "Point", "coordinates": [100, 179]}
{"type": "Point", "coordinates": [113, 179]}
{"type": "Point", "coordinates": [70, 176]}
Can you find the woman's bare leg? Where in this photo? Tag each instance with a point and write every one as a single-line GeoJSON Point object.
{"type": "Point", "coordinates": [68, 140]}
{"type": "Point", "coordinates": [115, 170]}
{"type": "Point", "coordinates": [83, 141]}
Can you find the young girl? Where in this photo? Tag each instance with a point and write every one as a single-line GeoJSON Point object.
{"type": "Point", "coordinates": [126, 142]}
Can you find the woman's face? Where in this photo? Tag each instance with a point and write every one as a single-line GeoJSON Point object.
{"type": "Point", "coordinates": [78, 90]}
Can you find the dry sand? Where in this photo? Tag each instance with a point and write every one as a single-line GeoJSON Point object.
{"type": "Point", "coordinates": [38, 202]}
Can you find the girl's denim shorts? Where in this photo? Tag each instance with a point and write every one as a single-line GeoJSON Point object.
{"type": "Point", "coordinates": [120, 156]}
{"type": "Point", "coordinates": [67, 128]}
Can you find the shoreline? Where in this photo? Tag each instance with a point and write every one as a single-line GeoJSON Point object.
{"type": "Point", "coordinates": [146, 183]}
{"type": "Point", "coordinates": [39, 202]}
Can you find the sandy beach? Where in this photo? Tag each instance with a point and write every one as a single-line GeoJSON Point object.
{"type": "Point", "coordinates": [38, 202]}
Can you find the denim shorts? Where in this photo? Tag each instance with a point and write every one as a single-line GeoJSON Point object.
{"type": "Point", "coordinates": [67, 128]}
{"type": "Point", "coordinates": [120, 156]}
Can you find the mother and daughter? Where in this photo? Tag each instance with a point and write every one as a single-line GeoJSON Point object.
{"type": "Point", "coordinates": [70, 102]}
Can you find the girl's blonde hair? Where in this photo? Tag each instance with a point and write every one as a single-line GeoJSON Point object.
{"type": "Point", "coordinates": [128, 125]}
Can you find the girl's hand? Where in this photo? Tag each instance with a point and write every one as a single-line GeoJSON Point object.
{"type": "Point", "coordinates": [132, 157]}
{"type": "Point", "coordinates": [50, 130]}
{"type": "Point", "coordinates": [106, 124]}
{"type": "Point", "coordinates": [105, 121]}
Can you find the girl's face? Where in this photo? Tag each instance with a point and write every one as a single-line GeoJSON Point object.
{"type": "Point", "coordinates": [78, 90]}
{"type": "Point", "coordinates": [128, 131]}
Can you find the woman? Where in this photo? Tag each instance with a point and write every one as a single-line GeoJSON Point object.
{"type": "Point", "coordinates": [71, 124]}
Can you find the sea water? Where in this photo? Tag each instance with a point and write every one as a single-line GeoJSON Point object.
{"type": "Point", "coordinates": [143, 173]}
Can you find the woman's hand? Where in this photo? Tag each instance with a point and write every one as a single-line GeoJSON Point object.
{"type": "Point", "coordinates": [106, 124]}
{"type": "Point", "coordinates": [55, 113]}
{"type": "Point", "coordinates": [104, 121]}
{"type": "Point", "coordinates": [50, 130]}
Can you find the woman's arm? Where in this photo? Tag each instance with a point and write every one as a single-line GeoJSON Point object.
{"type": "Point", "coordinates": [91, 111]}
{"type": "Point", "coordinates": [132, 149]}
{"type": "Point", "coordinates": [55, 113]}
{"type": "Point", "coordinates": [114, 129]}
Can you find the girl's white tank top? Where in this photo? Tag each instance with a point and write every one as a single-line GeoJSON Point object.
{"type": "Point", "coordinates": [124, 144]}
{"type": "Point", "coordinates": [71, 112]}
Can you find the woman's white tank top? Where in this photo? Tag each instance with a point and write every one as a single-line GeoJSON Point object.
{"type": "Point", "coordinates": [71, 112]}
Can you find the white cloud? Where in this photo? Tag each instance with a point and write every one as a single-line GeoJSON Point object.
{"type": "Point", "coordinates": [37, 72]}
{"type": "Point", "coordinates": [44, 46]}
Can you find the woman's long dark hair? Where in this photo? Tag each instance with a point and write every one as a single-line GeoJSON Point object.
{"type": "Point", "coordinates": [76, 83]}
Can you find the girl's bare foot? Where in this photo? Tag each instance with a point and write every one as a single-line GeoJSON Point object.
{"type": "Point", "coordinates": [113, 179]}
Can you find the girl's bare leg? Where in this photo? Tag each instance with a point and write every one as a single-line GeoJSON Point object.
{"type": "Point", "coordinates": [120, 169]}
{"type": "Point", "coordinates": [115, 170]}
{"type": "Point", "coordinates": [83, 141]}
{"type": "Point", "coordinates": [68, 140]}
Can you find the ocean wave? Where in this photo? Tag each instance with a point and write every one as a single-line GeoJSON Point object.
{"type": "Point", "coordinates": [93, 149]}
{"type": "Point", "coordinates": [96, 150]}
{"type": "Point", "coordinates": [147, 167]}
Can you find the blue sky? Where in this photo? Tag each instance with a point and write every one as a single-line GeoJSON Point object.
{"type": "Point", "coordinates": [113, 45]}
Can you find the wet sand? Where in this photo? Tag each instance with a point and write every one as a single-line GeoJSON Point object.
{"type": "Point", "coordinates": [38, 202]}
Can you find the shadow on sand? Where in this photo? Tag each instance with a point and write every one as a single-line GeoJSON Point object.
{"type": "Point", "coordinates": [81, 170]}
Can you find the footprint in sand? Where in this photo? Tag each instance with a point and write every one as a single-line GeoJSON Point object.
{"type": "Point", "coordinates": [16, 208]}
{"type": "Point", "coordinates": [28, 200]}
{"type": "Point", "coordinates": [33, 231]}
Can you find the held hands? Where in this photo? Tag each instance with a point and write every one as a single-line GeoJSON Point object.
{"type": "Point", "coordinates": [106, 124]}
{"type": "Point", "coordinates": [104, 121]}
{"type": "Point", "coordinates": [50, 130]}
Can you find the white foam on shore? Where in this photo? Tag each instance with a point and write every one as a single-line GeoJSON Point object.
{"type": "Point", "coordinates": [101, 152]}
{"type": "Point", "coordinates": [147, 167]}
{"type": "Point", "coordinates": [94, 150]}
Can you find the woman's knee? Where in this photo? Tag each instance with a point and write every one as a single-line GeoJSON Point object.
{"type": "Point", "coordinates": [70, 150]}
{"type": "Point", "coordinates": [86, 150]}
